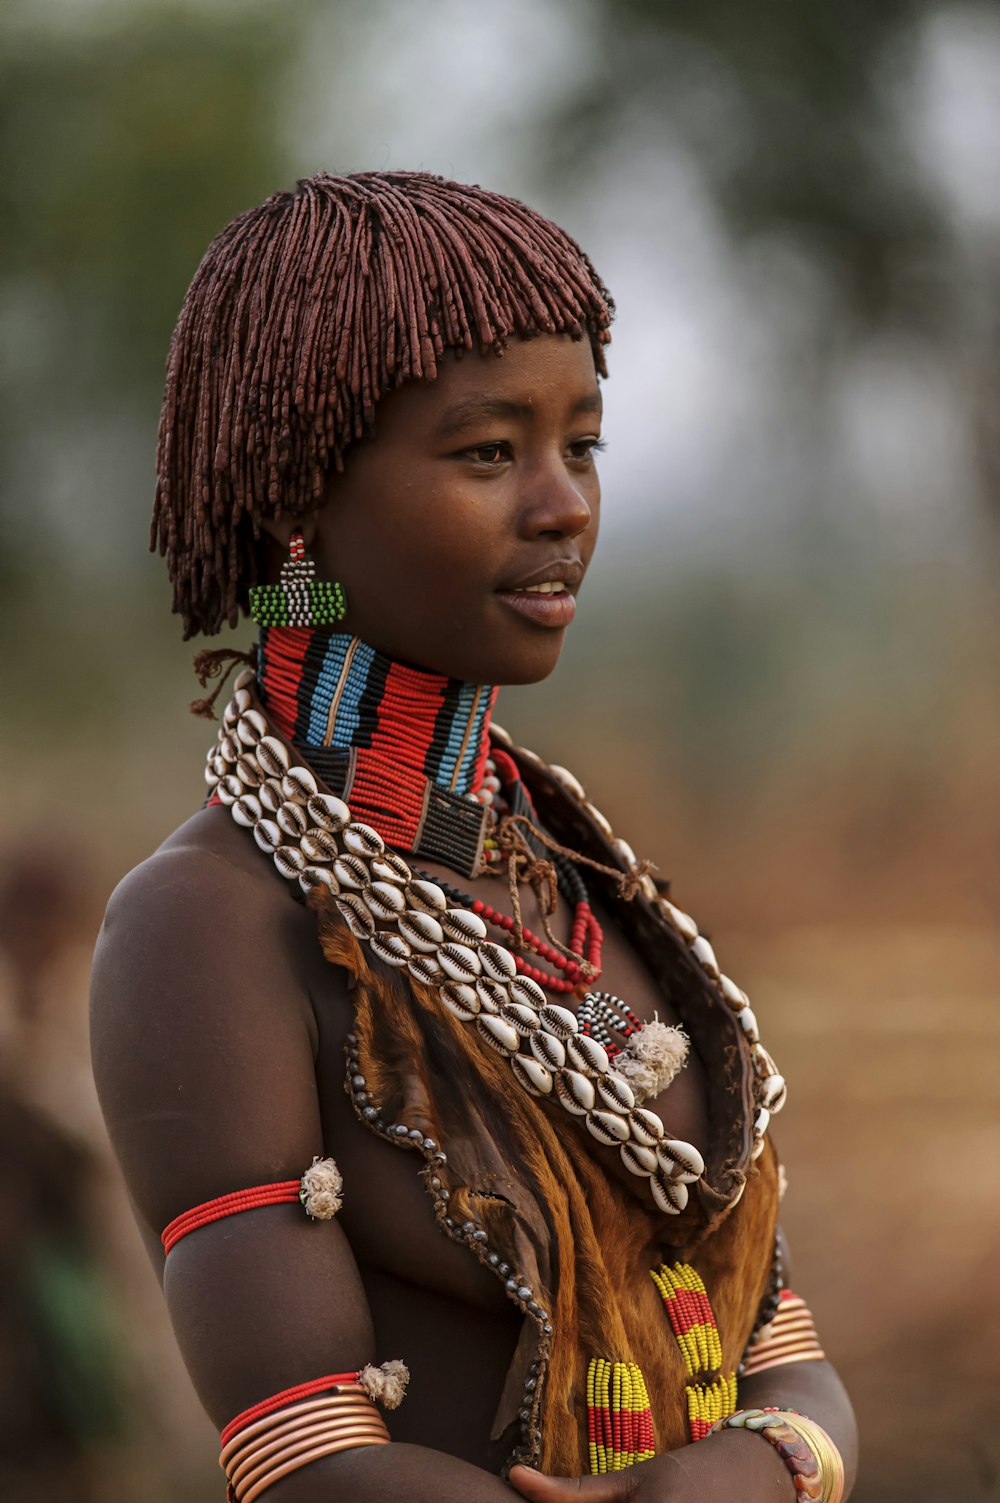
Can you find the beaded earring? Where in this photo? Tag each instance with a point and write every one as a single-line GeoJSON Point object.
{"type": "Point", "coordinates": [299, 598]}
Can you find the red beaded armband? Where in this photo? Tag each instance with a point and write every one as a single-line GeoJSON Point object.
{"type": "Point", "coordinates": [318, 1191]}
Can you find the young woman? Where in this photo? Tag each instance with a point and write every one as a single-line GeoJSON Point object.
{"type": "Point", "coordinates": [413, 1070]}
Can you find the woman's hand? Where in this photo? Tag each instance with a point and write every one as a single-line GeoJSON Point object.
{"type": "Point", "coordinates": [731, 1464]}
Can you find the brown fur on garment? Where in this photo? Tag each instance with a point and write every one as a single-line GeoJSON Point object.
{"type": "Point", "coordinates": [582, 1242]}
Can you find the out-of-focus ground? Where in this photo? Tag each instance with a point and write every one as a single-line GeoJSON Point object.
{"type": "Point", "coordinates": [782, 685]}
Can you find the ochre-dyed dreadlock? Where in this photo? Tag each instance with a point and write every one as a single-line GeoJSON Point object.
{"type": "Point", "coordinates": [304, 312]}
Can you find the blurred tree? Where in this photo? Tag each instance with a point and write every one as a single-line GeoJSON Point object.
{"type": "Point", "coordinates": [790, 111]}
{"type": "Point", "coordinates": [127, 139]}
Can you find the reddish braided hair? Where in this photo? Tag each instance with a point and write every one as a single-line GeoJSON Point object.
{"type": "Point", "coordinates": [303, 313]}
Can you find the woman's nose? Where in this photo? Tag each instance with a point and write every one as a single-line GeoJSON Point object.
{"type": "Point", "coordinates": [555, 505]}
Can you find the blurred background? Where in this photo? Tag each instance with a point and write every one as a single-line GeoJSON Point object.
{"type": "Point", "coordinates": [782, 686]}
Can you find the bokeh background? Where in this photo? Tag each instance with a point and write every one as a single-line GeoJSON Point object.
{"type": "Point", "coordinates": [782, 686]}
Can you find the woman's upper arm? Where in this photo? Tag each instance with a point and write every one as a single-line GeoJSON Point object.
{"type": "Point", "coordinates": [203, 1056]}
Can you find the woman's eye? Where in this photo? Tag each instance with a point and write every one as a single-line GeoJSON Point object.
{"type": "Point", "coordinates": [496, 453]}
{"type": "Point", "coordinates": [586, 448]}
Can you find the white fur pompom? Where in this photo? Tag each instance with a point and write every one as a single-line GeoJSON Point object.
{"type": "Point", "coordinates": [652, 1057]}
{"type": "Point", "coordinates": [385, 1385]}
{"type": "Point", "coordinates": [322, 1193]}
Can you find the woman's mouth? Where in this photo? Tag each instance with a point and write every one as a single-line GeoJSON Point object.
{"type": "Point", "coordinates": [548, 604]}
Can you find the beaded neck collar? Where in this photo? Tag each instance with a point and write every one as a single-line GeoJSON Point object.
{"type": "Point", "coordinates": [407, 747]}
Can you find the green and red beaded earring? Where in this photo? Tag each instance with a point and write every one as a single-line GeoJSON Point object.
{"type": "Point", "coordinates": [299, 598]}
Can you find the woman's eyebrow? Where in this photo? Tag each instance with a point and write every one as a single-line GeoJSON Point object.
{"type": "Point", "coordinates": [479, 409]}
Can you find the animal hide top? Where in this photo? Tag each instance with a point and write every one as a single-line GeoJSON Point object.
{"type": "Point", "coordinates": [520, 1171]}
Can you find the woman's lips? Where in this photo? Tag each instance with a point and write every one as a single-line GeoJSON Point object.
{"type": "Point", "coordinates": [555, 611]}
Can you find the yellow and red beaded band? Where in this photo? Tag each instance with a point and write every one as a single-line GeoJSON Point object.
{"type": "Point", "coordinates": [711, 1393]}
{"type": "Point", "coordinates": [619, 1421]}
{"type": "Point", "coordinates": [790, 1337]}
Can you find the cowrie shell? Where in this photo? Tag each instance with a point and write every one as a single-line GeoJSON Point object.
{"type": "Point", "coordinates": [492, 994]}
{"type": "Point", "coordinates": [548, 1050]}
{"type": "Point", "coordinates": [761, 1121]}
{"type": "Point", "coordinates": [230, 788]}
{"type": "Point", "coordinates": [212, 773]}
{"type": "Point", "coordinates": [498, 1034]}
{"type": "Point", "coordinates": [586, 1054]}
{"type": "Point", "coordinates": [531, 1075]}
{"type": "Point", "coordinates": [390, 868]}
{"type": "Point", "coordinates": [292, 819]}
{"type": "Point", "coordinates": [318, 876]}
{"type": "Point", "coordinates": [646, 1127]}
{"type": "Point", "coordinates": [497, 962]}
{"type": "Point", "coordinates": [524, 1019]}
{"type": "Point", "coordinates": [244, 680]}
{"type": "Point", "coordinates": [270, 795]}
{"type": "Point", "coordinates": [420, 931]}
{"type": "Point", "coordinates": [391, 948]}
{"type": "Point", "coordinates": [575, 1092]}
{"type": "Point", "coordinates": [229, 751]}
{"type": "Point", "coordinates": [423, 968]}
{"type": "Point", "coordinates": [248, 772]}
{"type": "Point", "coordinates": [350, 872]}
{"type": "Point", "coordinates": [231, 714]}
{"type": "Point", "coordinates": [459, 962]}
{"type": "Point", "coordinates": [267, 834]}
{"type": "Point", "coordinates": [357, 917]}
{"type": "Point", "coordinates": [319, 844]}
{"type": "Point", "coordinates": [527, 991]}
{"type": "Point", "coordinates": [648, 888]}
{"type": "Point", "coordinates": [384, 900]}
{"type": "Point", "coordinates": [759, 1145]}
{"type": "Point", "coordinates": [705, 955]}
{"type": "Point", "coordinates": [624, 852]}
{"type": "Point", "coordinates": [298, 785]}
{"type": "Point", "coordinates": [679, 1159]}
{"type": "Point", "coordinates": [460, 999]}
{"type": "Point", "coordinates": [606, 1127]}
{"type": "Point", "coordinates": [558, 1021]}
{"type": "Point", "coordinates": [272, 757]}
{"type": "Point", "coordinates": [734, 995]}
{"type": "Point", "coordinates": [682, 922]}
{"type": "Point", "coordinates": [773, 1092]}
{"type": "Point", "coordinates": [616, 1093]}
{"type": "Point", "coordinates": [670, 1195]}
{"type": "Point", "coordinates": [601, 821]}
{"type": "Point", "coordinates": [748, 1023]}
{"type": "Point", "coordinates": [638, 1160]}
{"type": "Point", "coordinates": [362, 840]}
{"type": "Point", "coordinates": [567, 781]}
{"type": "Point", "coordinates": [250, 727]}
{"type": "Point", "coordinates": [247, 810]}
{"type": "Point", "coordinates": [289, 860]}
{"type": "Point", "coordinates": [461, 925]}
{"type": "Point", "coordinates": [427, 896]}
{"type": "Point", "coordinates": [328, 811]}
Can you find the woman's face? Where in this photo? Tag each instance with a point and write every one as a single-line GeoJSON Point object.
{"type": "Point", "coordinates": [461, 533]}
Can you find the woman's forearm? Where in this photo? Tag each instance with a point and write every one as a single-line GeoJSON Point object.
{"type": "Point", "coordinates": [389, 1474]}
{"type": "Point", "coordinates": [813, 1389]}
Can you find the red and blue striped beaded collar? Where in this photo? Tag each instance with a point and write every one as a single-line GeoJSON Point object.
{"type": "Point", "coordinates": [407, 748]}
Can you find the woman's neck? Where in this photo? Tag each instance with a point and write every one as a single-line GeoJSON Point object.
{"type": "Point", "coordinates": [383, 733]}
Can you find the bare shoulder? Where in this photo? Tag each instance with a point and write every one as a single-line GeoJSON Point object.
{"type": "Point", "coordinates": [203, 1035]}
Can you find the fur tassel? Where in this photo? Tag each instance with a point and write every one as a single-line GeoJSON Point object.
{"type": "Point", "coordinates": [385, 1385]}
{"type": "Point", "coordinates": [322, 1192]}
{"type": "Point", "coordinates": [652, 1058]}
